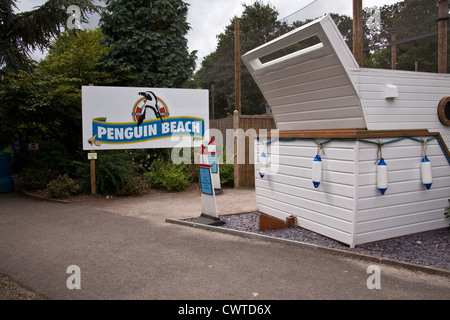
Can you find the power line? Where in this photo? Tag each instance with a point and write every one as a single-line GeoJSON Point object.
{"type": "Point", "coordinates": [304, 7]}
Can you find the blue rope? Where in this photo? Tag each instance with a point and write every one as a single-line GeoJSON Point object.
{"type": "Point", "coordinates": [362, 140]}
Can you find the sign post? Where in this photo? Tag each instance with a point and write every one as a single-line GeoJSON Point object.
{"type": "Point", "coordinates": [210, 215]}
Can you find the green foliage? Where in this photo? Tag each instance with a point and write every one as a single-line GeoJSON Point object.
{"type": "Point", "coordinates": [148, 42]}
{"type": "Point", "coordinates": [114, 171]}
{"type": "Point", "coordinates": [44, 109]}
{"type": "Point", "coordinates": [76, 54]}
{"type": "Point", "coordinates": [62, 187]}
{"type": "Point", "coordinates": [227, 175]}
{"type": "Point", "coordinates": [136, 187]}
{"type": "Point", "coordinates": [166, 174]}
{"type": "Point", "coordinates": [258, 24]}
{"type": "Point", "coordinates": [37, 178]}
{"type": "Point", "coordinates": [414, 24]}
{"type": "Point", "coordinates": [22, 33]}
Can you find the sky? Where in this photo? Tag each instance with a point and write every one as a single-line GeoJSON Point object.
{"type": "Point", "coordinates": [208, 18]}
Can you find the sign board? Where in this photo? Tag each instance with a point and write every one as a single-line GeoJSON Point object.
{"type": "Point", "coordinates": [137, 118]}
{"type": "Point", "coordinates": [92, 156]}
{"type": "Point", "coordinates": [33, 146]}
{"type": "Point", "coordinates": [205, 180]}
{"type": "Point", "coordinates": [209, 205]}
{"type": "Point", "coordinates": [212, 161]}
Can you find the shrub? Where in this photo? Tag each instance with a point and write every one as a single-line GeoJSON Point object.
{"type": "Point", "coordinates": [226, 171]}
{"type": "Point", "coordinates": [226, 175]}
{"type": "Point", "coordinates": [113, 170]}
{"type": "Point", "coordinates": [37, 178]}
{"type": "Point", "coordinates": [62, 187]}
{"type": "Point", "coordinates": [166, 174]}
{"type": "Point", "coordinates": [136, 187]}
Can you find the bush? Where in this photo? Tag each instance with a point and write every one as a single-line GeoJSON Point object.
{"type": "Point", "coordinates": [166, 174]}
{"type": "Point", "coordinates": [136, 187]}
{"type": "Point", "coordinates": [62, 187]}
{"type": "Point", "coordinates": [226, 171]}
{"type": "Point", "coordinates": [37, 178]}
{"type": "Point", "coordinates": [226, 175]}
{"type": "Point", "coordinates": [114, 170]}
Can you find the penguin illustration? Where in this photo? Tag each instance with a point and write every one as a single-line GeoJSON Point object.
{"type": "Point", "coordinates": [149, 96]}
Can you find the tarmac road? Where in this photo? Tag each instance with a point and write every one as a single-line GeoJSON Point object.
{"type": "Point", "coordinates": [125, 250]}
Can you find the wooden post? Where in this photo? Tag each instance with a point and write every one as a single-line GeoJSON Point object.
{"type": "Point", "coordinates": [93, 181]}
{"type": "Point", "coordinates": [237, 98]}
{"type": "Point", "coordinates": [236, 137]}
{"type": "Point", "coordinates": [92, 169]}
{"type": "Point", "coordinates": [442, 36]}
{"type": "Point", "coordinates": [212, 101]}
{"type": "Point", "coordinates": [416, 66]}
{"type": "Point", "coordinates": [237, 67]}
{"type": "Point", "coordinates": [393, 52]}
{"type": "Point", "coordinates": [358, 32]}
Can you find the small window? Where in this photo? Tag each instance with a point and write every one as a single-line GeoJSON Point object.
{"type": "Point", "coordinates": [444, 111]}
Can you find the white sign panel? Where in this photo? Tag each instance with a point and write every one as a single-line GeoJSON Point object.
{"type": "Point", "coordinates": [136, 118]}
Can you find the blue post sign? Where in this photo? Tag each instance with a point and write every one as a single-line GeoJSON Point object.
{"type": "Point", "coordinates": [212, 160]}
{"type": "Point", "coordinates": [205, 179]}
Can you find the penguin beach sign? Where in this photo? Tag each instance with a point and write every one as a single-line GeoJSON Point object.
{"type": "Point", "coordinates": [138, 118]}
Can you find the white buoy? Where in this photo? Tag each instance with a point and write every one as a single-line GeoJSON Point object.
{"type": "Point", "coordinates": [382, 176]}
{"type": "Point", "coordinates": [317, 171]}
{"type": "Point", "coordinates": [263, 164]}
{"type": "Point", "coordinates": [425, 170]}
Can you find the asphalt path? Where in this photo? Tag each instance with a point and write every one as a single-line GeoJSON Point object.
{"type": "Point", "coordinates": [124, 249]}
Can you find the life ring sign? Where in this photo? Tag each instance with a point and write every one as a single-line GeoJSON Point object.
{"type": "Point", "coordinates": [159, 107]}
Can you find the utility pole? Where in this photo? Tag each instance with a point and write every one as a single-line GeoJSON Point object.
{"type": "Point", "coordinates": [237, 67]}
{"type": "Point", "coordinates": [237, 99]}
{"type": "Point", "coordinates": [442, 35]}
{"type": "Point", "coordinates": [212, 101]}
{"type": "Point", "coordinates": [393, 52]}
{"type": "Point", "coordinates": [358, 33]}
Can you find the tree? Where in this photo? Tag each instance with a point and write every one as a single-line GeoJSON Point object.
{"type": "Point", "coordinates": [22, 33]}
{"type": "Point", "coordinates": [148, 41]}
{"type": "Point", "coordinates": [414, 24]}
{"type": "Point", "coordinates": [258, 24]}
{"type": "Point", "coordinates": [77, 54]}
{"type": "Point", "coordinates": [46, 110]}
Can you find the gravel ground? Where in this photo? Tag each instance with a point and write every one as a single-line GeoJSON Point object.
{"type": "Point", "coordinates": [13, 290]}
{"type": "Point", "coordinates": [430, 249]}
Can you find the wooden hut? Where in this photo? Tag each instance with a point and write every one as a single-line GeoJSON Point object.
{"type": "Point", "coordinates": [324, 103]}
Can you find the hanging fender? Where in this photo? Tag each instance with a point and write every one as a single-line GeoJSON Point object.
{"type": "Point", "coordinates": [263, 163]}
{"type": "Point", "coordinates": [317, 171]}
{"type": "Point", "coordinates": [382, 176]}
{"type": "Point", "coordinates": [425, 171]}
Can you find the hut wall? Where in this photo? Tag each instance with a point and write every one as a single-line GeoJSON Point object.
{"type": "Point", "coordinates": [415, 107]}
{"type": "Point", "coordinates": [347, 206]}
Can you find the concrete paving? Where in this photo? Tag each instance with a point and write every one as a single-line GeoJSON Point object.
{"type": "Point", "coordinates": [126, 250]}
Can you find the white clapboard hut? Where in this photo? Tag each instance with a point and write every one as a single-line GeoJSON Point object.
{"type": "Point", "coordinates": [324, 103]}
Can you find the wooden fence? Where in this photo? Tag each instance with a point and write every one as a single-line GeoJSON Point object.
{"type": "Point", "coordinates": [244, 172]}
